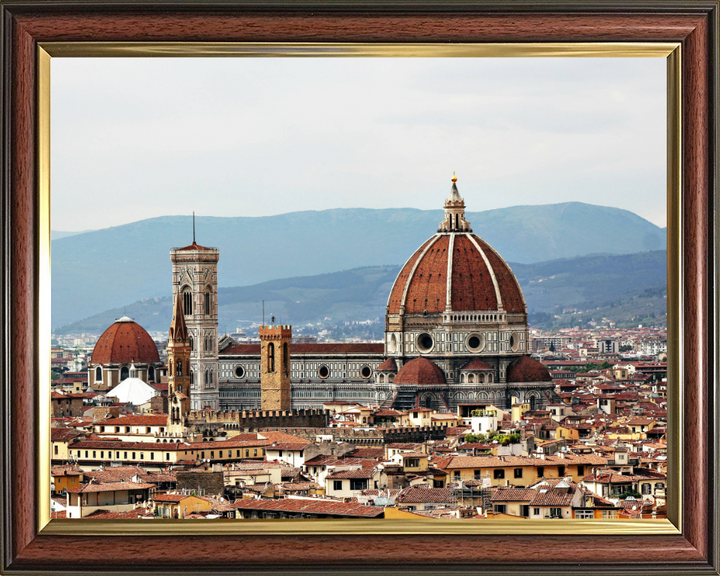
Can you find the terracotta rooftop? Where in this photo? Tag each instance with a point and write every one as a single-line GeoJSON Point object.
{"type": "Point", "coordinates": [476, 364]}
{"type": "Point", "coordinates": [125, 341]}
{"type": "Point", "coordinates": [110, 487]}
{"type": "Point", "coordinates": [311, 506]}
{"type": "Point", "coordinates": [389, 365]}
{"type": "Point", "coordinates": [136, 420]}
{"type": "Point", "coordinates": [527, 369]}
{"type": "Point", "coordinates": [418, 494]}
{"type": "Point", "coordinates": [420, 371]}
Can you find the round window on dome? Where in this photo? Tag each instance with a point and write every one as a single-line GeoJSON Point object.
{"type": "Point", "coordinates": [425, 342]}
{"type": "Point", "coordinates": [475, 342]}
{"type": "Point", "coordinates": [514, 342]}
{"type": "Point", "coordinates": [323, 371]}
{"type": "Point", "coordinates": [239, 371]}
{"type": "Point", "coordinates": [366, 371]}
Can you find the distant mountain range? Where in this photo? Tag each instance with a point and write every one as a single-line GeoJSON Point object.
{"type": "Point", "coordinates": [587, 286]}
{"type": "Point", "coordinates": [106, 269]}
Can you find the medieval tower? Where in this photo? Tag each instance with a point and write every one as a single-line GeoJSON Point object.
{"type": "Point", "coordinates": [194, 271]}
{"type": "Point", "coordinates": [275, 367]}
{"type": "Point", "coordinates": [178, 361]}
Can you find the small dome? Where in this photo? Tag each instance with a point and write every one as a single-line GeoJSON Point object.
{"type": "Point", "coordinates": [388, 366]}
{"type": "Point", "coordinates": [123, 342]}
{"type": "Point", "coordinates": [526, 369]}
{"type": "Point", "coordinates": [420, 371]}
{"type": "Point", "coordinates": [476, 364]}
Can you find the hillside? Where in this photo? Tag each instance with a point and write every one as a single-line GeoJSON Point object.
{"type": "Point", "coordinates": [628, 289]}
{"type": "Point", "coordinates": [101, 269]}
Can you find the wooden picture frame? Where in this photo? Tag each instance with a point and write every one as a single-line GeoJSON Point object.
{"type": "Point", "coordinates": [30, 547]}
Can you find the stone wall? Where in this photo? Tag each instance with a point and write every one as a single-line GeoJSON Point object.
{"type": "Point", "coordinates": [251, 421]}
{"type": "Point", "coordinates": [202, 482]}
{"type": "Point", "coordinates": [368, 437]}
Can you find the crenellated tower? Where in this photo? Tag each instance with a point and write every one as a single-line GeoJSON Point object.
{"type": "Point", "coordinates": [275, 367]}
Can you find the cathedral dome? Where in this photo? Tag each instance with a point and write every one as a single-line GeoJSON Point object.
{"type": "Point", "coordinates": [420, 371]}
{"type": "Point", "coordinates": [526, 369]}
{"type": "Point", "coordinates": [455, 270]}
{"type": "Point", "coordinates": [123, 342]}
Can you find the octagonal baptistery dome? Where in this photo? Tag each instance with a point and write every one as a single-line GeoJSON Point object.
{"type": "Point", "coordinates": [456, 296]}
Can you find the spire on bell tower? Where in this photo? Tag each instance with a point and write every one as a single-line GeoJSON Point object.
{"type": "Point", "coordinates": [179, 371]}
{"type": "Point", "coordinates": [454, 212]}
{"type": "Point", "coordinates": [178, 329]}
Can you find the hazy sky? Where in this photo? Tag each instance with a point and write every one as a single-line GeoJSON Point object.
{"type": "Point", "coordinates": [142, 137]}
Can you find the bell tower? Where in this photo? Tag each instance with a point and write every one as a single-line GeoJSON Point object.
{"type": "Point", "coordinates": [194, 270]}
{"type": "Point", "coordinates": [178, 350]}
{"type": "Point", "coordinates": [275, 367]}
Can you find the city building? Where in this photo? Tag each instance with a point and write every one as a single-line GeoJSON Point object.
{"type": "Point", "coordinates": [455, 331]}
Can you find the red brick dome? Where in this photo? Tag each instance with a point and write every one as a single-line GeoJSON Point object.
{"type": "Point", "coordinates": [420, 371]}
{"type": "Point", "coordinates": [123, 342]}
{"type": "Point", "coordinates": [526, 369]}
{"type": "Point", "coordinates": [479, 278]}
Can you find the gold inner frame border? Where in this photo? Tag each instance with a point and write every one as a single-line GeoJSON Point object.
{"type": "Point", "coordinates": [669, 50]}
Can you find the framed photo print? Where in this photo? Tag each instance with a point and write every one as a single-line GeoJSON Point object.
{"type": "Point", "coordinates": [351, 358]}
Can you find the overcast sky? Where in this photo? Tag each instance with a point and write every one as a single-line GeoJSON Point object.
{"type": "Point", "coordinates": [142, 137]}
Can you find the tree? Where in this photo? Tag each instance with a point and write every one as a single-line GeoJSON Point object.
{"type": "Point", "coordinates": [625, 348]}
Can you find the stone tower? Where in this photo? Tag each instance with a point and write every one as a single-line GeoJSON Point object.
{"type": "Point", "coordinates": [275, 367]}
{"type": "Point", "coordinates": [178, 359]}
{"type": "Point", "coordinates": [194, 270]}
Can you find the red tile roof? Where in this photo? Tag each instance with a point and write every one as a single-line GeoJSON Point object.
{"type": "Point", "coordinates": [418, 494]}
{"type": "Point", "coordinates": [110, 487]}
{"type": "Point", "coordinates": [311, 506]}
{"type": "Point", "coordinates": [194, 246]}
{"type": "Point", "coordinates": [420, 371]}
{"type": "Point", "coordinates": [513, 495]}
{"type": "Point", "coordinates": [527, 369]}
{"type": "Point", "coordinates": [389, 365]}
{"type": "Point", "coordinates": [362, 473]}
{"type": "Point", "coordinates": [476, 364]}
{"type": "Point", "coordinates": [422, 282]}
{"type": "Point", "coordinates": [125, 342]}
{"type": "Point", "coordinates": [136, 420]}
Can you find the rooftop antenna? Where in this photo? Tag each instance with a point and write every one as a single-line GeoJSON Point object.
{"type": "Point", "coordinates": [193, 226]}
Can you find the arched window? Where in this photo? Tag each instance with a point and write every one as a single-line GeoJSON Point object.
{"type": "Point", "coordinates": [271, 357]}
{"type": "Point", "coordinates": [286, 357]}
{"type": "Point", "coordinates": [207, 301]}
{"type": "Point", "coordinates": [124, 372]}
{"type": "Point", "coordinates": [192, 378]}
{"type": "Point", "coordinates": [207, 377]}
{"type": "Point", "coordinates": [187, 301]}
{"type": "Point", "coordinates": [178, 368]}
{"type": "Point", "coordinates": [192, 343]}
{"type": "Point", "coordinates": [151, 373]}
{"type": "Point", "coordinates": [98, 374]}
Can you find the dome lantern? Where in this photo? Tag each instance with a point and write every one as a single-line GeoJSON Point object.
{"type": "Point", "coordinates": [454, 212]}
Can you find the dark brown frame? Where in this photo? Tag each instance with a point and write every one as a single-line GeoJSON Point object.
{"type": "Point", "coordinates": [693, 23]}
